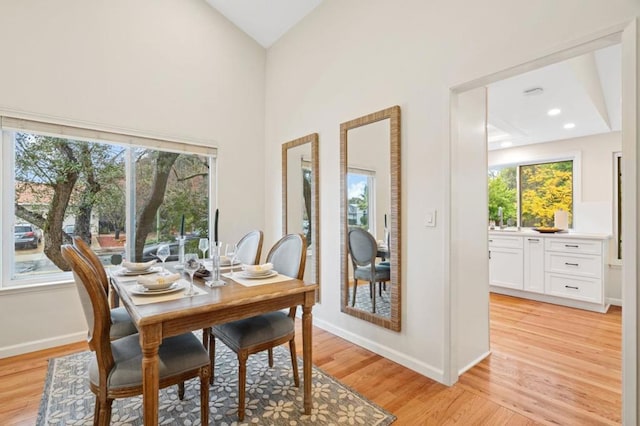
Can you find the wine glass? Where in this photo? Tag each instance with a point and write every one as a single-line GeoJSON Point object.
{"type": "Point", "coordinates": [191, 265]}
{"type": "Point", "coordinates": [162, 253]}
{"type": "Point", "coordinates": [232, 254]}
{"type": "Point", "coordinates": [203, 245]}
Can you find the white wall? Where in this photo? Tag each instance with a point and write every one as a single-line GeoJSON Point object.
{"type": "Point", "coordinates": [470, 303]}
{"type": "Point", "coordinates": [593, 210]}
{"type": "Point", "coordinates": [347, 59]}
{"type": "Point", "coordinates": [165, 68]}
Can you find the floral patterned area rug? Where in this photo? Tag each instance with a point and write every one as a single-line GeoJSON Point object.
{"type": "Point", "coordinates": [272, 398]}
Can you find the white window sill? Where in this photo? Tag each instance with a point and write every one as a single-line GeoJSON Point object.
{"type": "Point", "coordinates": [36, 287]}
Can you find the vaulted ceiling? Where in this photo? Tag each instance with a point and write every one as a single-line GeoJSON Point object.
{"type": "Point", "coordinates": [586, 90]}
{"type": "Point", "coordinates": [264, 20]}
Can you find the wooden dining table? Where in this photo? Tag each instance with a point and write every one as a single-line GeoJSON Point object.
{"type": "Point", "coordinates": [233, 301]}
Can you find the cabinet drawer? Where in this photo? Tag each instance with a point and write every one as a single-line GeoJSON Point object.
{"type": "Point", "coordinates": [505, 241]}
{"type": "Point", "coordinates": [574, 264]}
{"type": "Point", "coordinates": [586, 289]}
{"type": "Point", "coordinates": [568, 245]}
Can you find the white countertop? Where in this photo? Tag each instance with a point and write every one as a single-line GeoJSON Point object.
{"type": "Point", "coordinates": [528, 232]}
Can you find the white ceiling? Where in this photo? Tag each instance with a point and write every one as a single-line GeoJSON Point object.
{"type": "Point", "coordinates": [264, 20]}
{"type": "Point", "coordinates": [586, 89]}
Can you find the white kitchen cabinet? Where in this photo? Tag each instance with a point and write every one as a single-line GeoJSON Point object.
{"type": "Point", "coordinates": [575, 269]}
{"type": "Point", "coordinates": [505, 262]}
{"type": "Point", "coordinates": [566, 269]}
{"type": "Point", "coordinates": [533, 264]}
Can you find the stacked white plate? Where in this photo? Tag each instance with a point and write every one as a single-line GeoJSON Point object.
{"type": "Point", "coordinates": [158, 282]}
{"type": "Point", "coordinates": [138, 268]}
{"type": "Point", "coordinates": [257, 271]}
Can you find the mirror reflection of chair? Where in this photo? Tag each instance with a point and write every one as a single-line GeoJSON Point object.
{"type": "Point", "coordinates": [116, 369]}
{"type": "Point", "coordinates": [363, 249]}
{"type": "Point", "coordinates": [264, 332]}
{"type": "Point", "coordinates": [250, 248]}
{"type": "Point", "coordinates": [121, 324]}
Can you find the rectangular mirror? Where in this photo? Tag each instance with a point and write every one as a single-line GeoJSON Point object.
{"type": "Point", "coordinates": [370, 217]}
{"type": "Point", "coordinates": [300, 198]}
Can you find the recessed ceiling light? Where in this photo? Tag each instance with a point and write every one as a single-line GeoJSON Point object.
{"type": "Point", "coordinates": [506, 144]}
{"type": "Point", "coordinates": [569, 125]}
{"type": "Point", "coordinates": [554, 111]}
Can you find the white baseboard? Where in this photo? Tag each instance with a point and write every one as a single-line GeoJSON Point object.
{"type": "Point", "coordinates": [473, 363]}
{"type": "Point", "coordinates": [38, 345]}
{"type": "Point", "coordinates": [402, 359]}
{"type": "Point", "coordinates": [614, 301]}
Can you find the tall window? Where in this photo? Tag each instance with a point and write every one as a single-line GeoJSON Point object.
{"type": "Point", "coordinates": [528, 195]}
{"type": "Point", "coordinates": [360, 187]}
{"type": "Point", "coordinates": [117, 197]}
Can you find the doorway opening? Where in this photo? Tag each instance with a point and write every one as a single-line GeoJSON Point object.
{"type": "Point", "coordinates": [463, 211]}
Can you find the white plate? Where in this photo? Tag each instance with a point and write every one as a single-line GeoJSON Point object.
{"type": "Point", "coordinates": [243, 274]}
{"type": "Point", "coordinates": [257, 274]}
{"type": "Point", "coordinates": [155, 286]}
{"type": "Point", "coordinates": [128, 273]}
{"type": "Point", "coordinates": [142, 291]}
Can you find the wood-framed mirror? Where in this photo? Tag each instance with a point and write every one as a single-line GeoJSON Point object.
{"type": "Point", "coordinates": [300, 199]}
{"type": "Point", "coordinates": [370, 188]}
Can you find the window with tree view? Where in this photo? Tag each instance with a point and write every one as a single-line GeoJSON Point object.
{"type": "Point", "coordinates": [360, 204]}
{"type": "Point", "coordinates": [528, 195]}
{"type": "Point", "coordinates": [65, 187]}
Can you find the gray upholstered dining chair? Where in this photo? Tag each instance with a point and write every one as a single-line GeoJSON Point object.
{"type": "Point", "coordinates": [264, 332]}
{"type": "Point", "coordinates": [249, 251]}
{"type": "Point", "coordinates": [121, 324]}
{"type": "Point", "coordinates": [363, 249]}
{"type": "Point", "coordinates": [250, 248]}
{"type": "Point", "coordinates": [116, 369]}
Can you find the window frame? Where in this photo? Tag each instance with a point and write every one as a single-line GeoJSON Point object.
{"type": "Point", "coordinates": [528, 160]}
{"type": "Point", "coordinates": [11, 125]}
{"type": "Point", "coordinates": [371, 182]}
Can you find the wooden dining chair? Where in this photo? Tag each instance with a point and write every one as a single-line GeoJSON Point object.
{"type": "Point", "coordinates": [121, 324]}
{"type": "Point", "coordinates": [250, 248]}
{"type": "Point", "coordinates": [116, 369]}
{"type": "Point", "coordinates": [264, 332]}
{"type": "Point", "coordinates": [363, 249]}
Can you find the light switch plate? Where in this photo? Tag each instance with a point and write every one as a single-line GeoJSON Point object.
{"type": "Point", "coordinates": [431, 218]}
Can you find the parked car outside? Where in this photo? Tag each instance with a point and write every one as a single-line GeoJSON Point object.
{"type": "Point", "coordinates": [26, 236]}
{"type": "Point", "coordinates": [69, 230]}
{"type": "Point", "coordinates": [149, 252]}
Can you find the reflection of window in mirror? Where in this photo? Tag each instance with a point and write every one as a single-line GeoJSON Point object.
{"type": "Point", "coordinates": [306, 201]}
{"type": "Point", "coordinates": [361, 201]}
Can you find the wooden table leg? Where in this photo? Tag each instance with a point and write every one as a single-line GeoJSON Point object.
{"type": "Point", "coordinates": [306, 355]}
{"type": "Point", "coordinates": [150, 339]}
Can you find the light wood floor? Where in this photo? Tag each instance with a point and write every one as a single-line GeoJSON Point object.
{"type": "Point", "coordinates": [549, 365]}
